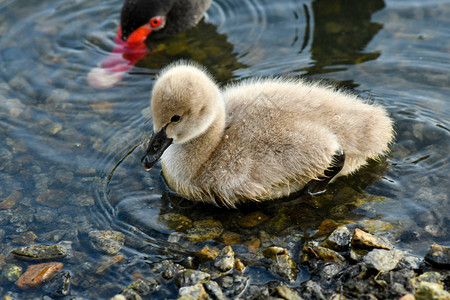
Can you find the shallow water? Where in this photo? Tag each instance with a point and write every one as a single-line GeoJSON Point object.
{"type": "Point", "coordinates": [70, 154]}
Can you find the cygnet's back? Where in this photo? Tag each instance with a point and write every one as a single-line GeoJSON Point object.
{"type": "Point", "coordinates": [260, 139]}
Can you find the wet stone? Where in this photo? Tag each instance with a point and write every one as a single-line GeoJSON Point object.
{"type": "Point", "coordinates": [25, 239]}
{"type": "Point", "coordinates": [141, 288]}
{"type": "Point", "coordinates": [36, 275]}
{"type": "Point", "coordinates": [282, 264]}
{"type": "Point", "coordinates": [239, 265]}
{"type": "Point", "coordinates": [175, 221]}
{"type": "Point", "coordinates": [253, 219]}
{"type": "Point", "coordinates": [433, 277]}
{"type": "Point", "coordinates": [12, 200]}
{"type": "Point", "coordinates": [11, 272]}
{"type": "Point", "coordinates": [363, 239]}
{"type": "Point", "coordinates": [192, 277]}
{"type": "Point", "coordinates": [207, 254]}
{"type": "Point", "coordinates": [38, 252]}
{"type": "Point", "coordinates": [168, 269]}
{"type": "Point", "coordinates": [430, 290]}
{"type": "Point", "coordinates": [192, 292]}
{"type": "Point", "coordinates": [287, 293]}
{"type": "Point", "coordinates": [339, 239]}
{"type": "Point", "coordinates": [322, 253]}
{"type": "Point", "coordinates": [410, 262]}
{"type": "Point", "coordinates": [59, 285]}
{"type": "Point", "coordinates": [439, 256]}
{"type": "Point", "coordinates": [235, 286]}
{"type": "Point", "coordinates": [383, 260]}
{"type": "Point", "coordinates": [231, 238]}
{"type": "Point", "coordinates": [45, 215]}
{"type": "Point", "coordinates": [107, 262]}
{"type": "Point", "coordinates": [225, 261]}
{"type": "Point", "coordinates": [107, 241]}
{"type": "Point", "coordinates": [51, 198]}
{"type": "Point", "coordinates": [197, 235]}
{"type": "Point", "coordinates": [358, 254]}
{"type": "Point", "coordinates": [213, 290]}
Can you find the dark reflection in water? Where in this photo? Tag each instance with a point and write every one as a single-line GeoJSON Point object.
{"type": "Point", "coordinates": [342, 30]}
{"type": "Point", "coordinates": [202, 44]}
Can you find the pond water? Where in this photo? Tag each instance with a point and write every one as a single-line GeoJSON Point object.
{"type": "Point", "coordinates": [70, 153]}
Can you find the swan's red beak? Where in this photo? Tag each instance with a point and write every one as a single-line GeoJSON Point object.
{"type": "Point", "coordinates": [123, 57]}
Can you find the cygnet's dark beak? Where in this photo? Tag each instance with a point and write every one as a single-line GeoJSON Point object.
{"type": "Point", "coordinates": [158, 144]}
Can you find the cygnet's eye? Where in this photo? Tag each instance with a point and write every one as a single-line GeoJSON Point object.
{"type": "Point", "coordinates": [157, 22]}
{"type": "Point", "coordinates": [175, 118]}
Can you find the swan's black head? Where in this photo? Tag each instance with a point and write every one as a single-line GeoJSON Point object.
{"type": "Point", "coordinates": [165, 17]}
{"type": "Point", "coordinates": [136, 13]}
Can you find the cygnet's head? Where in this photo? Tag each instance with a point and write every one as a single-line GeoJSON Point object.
{"type": "Point", "coordinates": [185, 102]}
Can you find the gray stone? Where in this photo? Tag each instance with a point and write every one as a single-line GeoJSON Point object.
{"type": "Point", "coordinates": [193, 277]}
{"type": "Point", "coordinates": [383, 260]}
{"type": "Point", "coordinates": [339, 239]}
{"type": "Point", "coordinates": [225, 261]}
{"type": "Point", "coordinates": [107, 241]}
{"type": "Point", "coordinates": [213, 290]}
{"type": "Point", "coordinates": [193, 292]}
{"type": "Point", "coordinates": [438, 256]}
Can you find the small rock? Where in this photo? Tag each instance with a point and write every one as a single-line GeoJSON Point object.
{"type": "Point", "coordinates": [225, 261]}
{"type": "Point", "coordinates": [11, 272]}
{"type": "Point", "coordinates": [192, 277]}
{"type": "Point", "coordinates": [51, 198]}
{"type": "Point", "coordinates": [383, 260]}
{"type": "Point", "coordinates": [38, 252]}
{"type": "Point", "coordinates": [59, 285]}
{"type": "Point", "coordinates": [239, 265]}
{"type": "Point", "coordinates": [238, 285]}
{"type": "Point", "coordinates": [11, 201]}
{"type": "Point", "coordinates": [107, 262]}
{"type": "Point", "coordinates": [175, 221]}
{"type": "Point", "coordinates": [213, 290]}
{"type": "Point", "coordinates": [410, 262]}
{"type": "Point", "coordinates": [141, 288]}
{"type": "Point", "coordinates": [322, 253]}
{"type": "Point", "coordinates": [107, 241]}
{"type": "Point", "coordinates": [339, 239]}
{"type": "Point", "coordinates": [253, 245]}
{"type": "Point", "coordinates": [430, 290]}
{"type": "Point", "coordinates": [433, 277]}
{"type": "Point", "coordinates": [366, 240]}
{"type": "Point", "coordinates": [287, 293]}
{"type": "Point", "coordinates": [282, 264]}
{"type": "Point", "coordinates": [196, 292]}
{"type": "Point", "coordinates": [358, 254]}
{"type": "Point", "coordinates": [207, 224]}
{"type": "Point", "coordinates": [438, 256]}
{"type": "Point", "coordinates": [197, 235]}
{"type": "Point", "coordinates": [207, 254]}
{"type": "Point", "coordinates": [231, 238]}
{"type": "Point", "coordinates": [36, 275]}
{"type": "Point", "coordinates": [253, 219]}
{"type": "Point", "coordinates": [25, 239]}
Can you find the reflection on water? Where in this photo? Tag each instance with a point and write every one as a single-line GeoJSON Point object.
{"type": "Point", "coordinates": [342, 30]}
{"type": "Point", "coordinates": [66, 160]}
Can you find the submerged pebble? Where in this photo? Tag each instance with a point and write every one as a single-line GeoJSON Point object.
{"type": "Point", "coordinates": [36, 275]}
{"type": "Point", "coordinates": [439, 256]}
{"type": "Point", "coordinates": [107, 241]}
{"type": "Point", "coordinates": [38, 252]}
